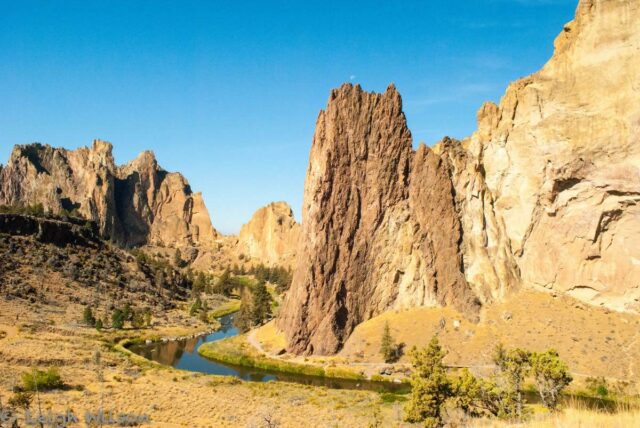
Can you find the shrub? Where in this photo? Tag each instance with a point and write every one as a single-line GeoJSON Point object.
{"type": "Point", "coordinates": [87, 316]}
{"type": "Point", "coordinates": [21, 400]}
{"type": "Point", "coordinates": [117, 319]}
{"type": "Point", "coordinates": [99, 324]}
{"type": "Point", "coordinates": [42, 380]}
{"type": "Point", "coordinates": [551, 376]}
{"type": "Point", "coordinates": [597, 386]}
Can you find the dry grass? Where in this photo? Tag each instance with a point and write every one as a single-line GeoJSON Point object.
{"type": "Point", "coordinates": [573, 417]}
{"type": "Point", "coordinates": [593, 341]}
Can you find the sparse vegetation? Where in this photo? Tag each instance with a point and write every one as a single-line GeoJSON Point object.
{"type": "Point", "coordinates": [42, 380]}
{"type": "Point", "coordinates": [433, 391]}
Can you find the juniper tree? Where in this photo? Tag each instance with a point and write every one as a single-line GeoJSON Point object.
{"type": "Point", "coordinates": [430, 386]}
{"type": "Point", "coordinates": [551, 376]}
{"type": "Point", "coordinates": [87, 316]}
{"type": "Point", "coordinates": [261, 304]}
{"type": "Point", "coordinates": [388, 347]}
{"type": "Point", "coordinates": [514, 365]}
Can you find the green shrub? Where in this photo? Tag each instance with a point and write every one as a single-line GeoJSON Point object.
{"type": "Point", "coordinates": [551, 375]}
{"type": "Point", "coordinates": [42, 380]}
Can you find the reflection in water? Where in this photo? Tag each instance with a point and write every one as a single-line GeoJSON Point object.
{"type": "Point", "coordinates": [183, 354]}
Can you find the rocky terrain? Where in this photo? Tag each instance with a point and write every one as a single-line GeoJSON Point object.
{"type": "Point", "coordinates": [271, 236]}
{"type": "Point", "coordinates": [134, 204]}
{"type": "Point", "coordinates": [55, 262]}
{"type": "Point", "coordinates": [544, 195]}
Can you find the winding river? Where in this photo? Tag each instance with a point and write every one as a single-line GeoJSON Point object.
{"type": "Point", "coordinates": [183, 354]}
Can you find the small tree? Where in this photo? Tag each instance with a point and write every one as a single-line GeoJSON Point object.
{"type": "Point", "coordinates": [430, 386]}
{"type": "Point", "coordinates": [147, 318]}
{"type": "Point", "coordinates": [99, 324]}
{"type": "Point", "coordinates": [42, 380]}
{"type": "Point", "coordinates": [243, 319]}
{"type": "Point", "coordinates": [87, 316]}
{"type": "Point", "coordinates": [551, 376]}
{"type": "Point", "coordinates": [177, 258]}
{"type": "Point", "coordinates": [195, 307]}
{"type": "Point", "coordinates": [138, 320]}
{"type": "Point", "coordinates": [388, 347]}
{"type": "Point", "coordinates": [514, 364]}
{"type": "Point", "coordinates": [224, 284]}
{"type": "Point", "coordinates": [21, 400]}
{"type": "Point", "coordinates": [261, 304]}
{"type": "Point", "coordinates": [117, 319]}
{"type": "Point", "coordinates": [127, 312]}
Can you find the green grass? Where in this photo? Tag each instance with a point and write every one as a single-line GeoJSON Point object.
{"type": "Point", "coordinates": [225, 309]}
{"type": "Point", "coordinates": [235, 351]}
{"type": "Point", "coordinates": [390, 397]}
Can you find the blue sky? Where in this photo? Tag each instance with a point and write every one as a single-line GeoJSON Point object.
{"type": "Point", "coordinates": [228, 92]}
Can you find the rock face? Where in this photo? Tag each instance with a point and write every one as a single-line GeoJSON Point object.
{"type": "Point", "coordinates": [561, 158]}
{"type": "Point", "coordinates": [138, 203]}
{"type": "Point", "coordinates": [545, 194]}
{"type": "Point", "coordinates": [271, 236]}
{"type": "Point", "coordinates": [379, 228]}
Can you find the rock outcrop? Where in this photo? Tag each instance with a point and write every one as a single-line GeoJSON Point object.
{"type": "Point", "coordinates": [380, 227]}
{"type": "Point", "coordinates": [271, 236]}
{"type": "Point", "coordinates": [138, 203]}
{"type": "Point", "coordinates": [545, 194]}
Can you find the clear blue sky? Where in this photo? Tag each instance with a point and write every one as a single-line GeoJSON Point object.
{"type": "Point", "coordinates": [228, 92]}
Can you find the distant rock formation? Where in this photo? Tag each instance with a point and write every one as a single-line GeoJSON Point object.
{"type": "Point", "coordinates": [271, 236]}
{"type": "Point", "coordinates": [138, 203]}
{"type": "Point", "coordinates": [546, 194]}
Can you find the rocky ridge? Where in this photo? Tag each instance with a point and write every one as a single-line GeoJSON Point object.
{"type": "Point", "coordinates": [134, 204]}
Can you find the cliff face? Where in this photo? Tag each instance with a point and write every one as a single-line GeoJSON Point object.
{"type": "Point", "coordinates": [371, 237]}
{"type": "Point", "coordinates": [271, 236]}
{"type": "Point", "coordinates": [545, 194]}
{"type": "Point", "coordinates": [561, 158]}
{"type": "Point", "coordinates": [138, 203]}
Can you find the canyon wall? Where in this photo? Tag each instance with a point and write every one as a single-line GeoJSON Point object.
{"type": "Point", "coordinates": [544, 195]}
{"type": "Point", "coordinates": [138, 203]}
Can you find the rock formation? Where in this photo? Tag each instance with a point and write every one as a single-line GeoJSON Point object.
{"type": "Point", "coordinates": [138, 203]}
{"type": "Point", "coordinates": [545, 194]}
{"type": "Point", "coordinates": [379, 225]}
{"type": "Point", "coordinates": [271, 236]}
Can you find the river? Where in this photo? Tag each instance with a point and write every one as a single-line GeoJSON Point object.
{"type": "Point", "coordinates": [183, 354]}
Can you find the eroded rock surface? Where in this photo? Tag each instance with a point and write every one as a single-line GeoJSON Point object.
{"type": "Point", "coordinates": [271, 236]}
{"type": "Point", "coordinates": [379, 226]}
{"type": "Point", "coordinates": [138, 203]}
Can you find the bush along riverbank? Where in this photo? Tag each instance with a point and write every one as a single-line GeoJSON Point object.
{"type": "Point", "coordinates": [237, 351]}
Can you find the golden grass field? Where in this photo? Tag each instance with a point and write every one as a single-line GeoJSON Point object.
{"type": "Point", "coordinates": [37, 335]}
